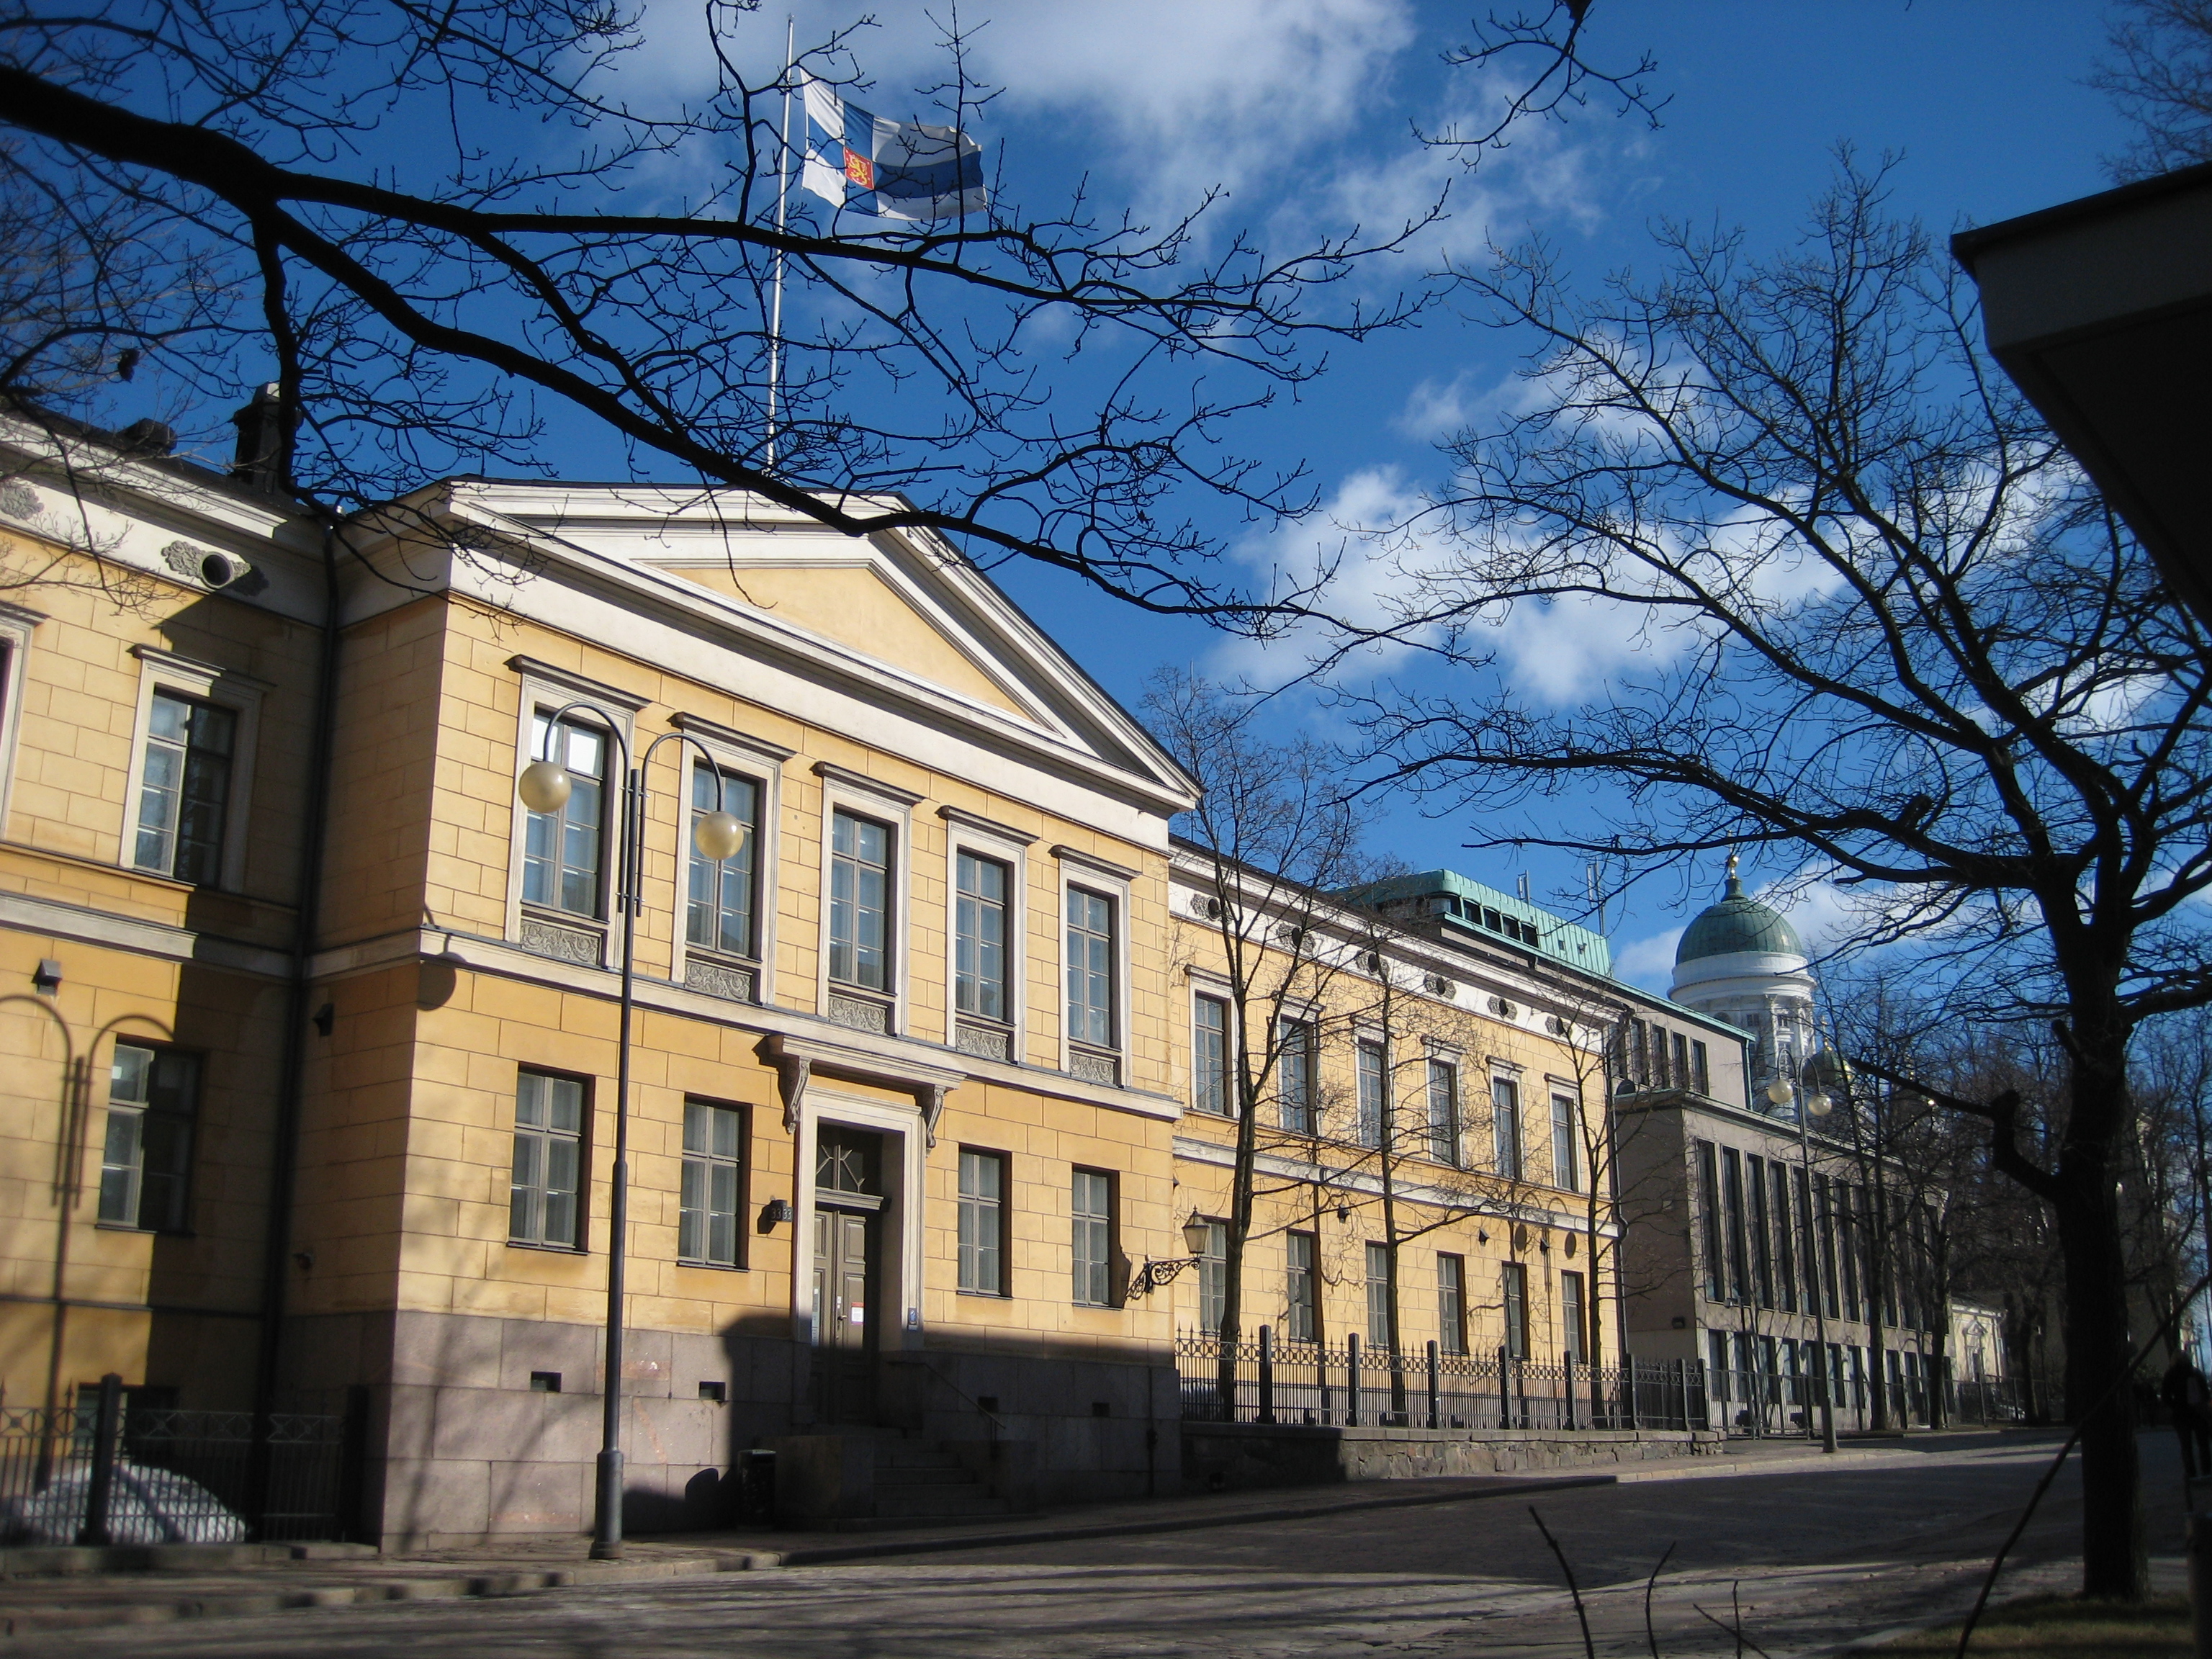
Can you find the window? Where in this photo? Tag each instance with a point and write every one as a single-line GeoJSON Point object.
{"type": "Point", "coordinates": [1762, 1242]}
{"type": "Point", "coordinates": [983, 1223]}
{"type": "Point", "coordinates": [1091, 1212]}
{"type": "Point", "coordinates": [1378, 1296]}
{"type": "Point", "coordinates": [979, 948]}
{"type": "Point", "coordinates": [183, 791]}
{"type": "Point", "coordinates": [1209, 1056]}
{"type": "Point", "coordinates": [720, 914]}
{"type": "Point", "coordinates": [560, 851]}
{"type": "Point", "coordinates": [1374, 1092]}
{"type": "Point", "coordinates": [1572, 1315]}
{"type": "Point", "coordinates": [1443, 1111]}
{"type": "Point", "coordinates": [1682, 1076]}
{"type": "Point", "coordinates": [714, 1148]}
{"type": "Point", "coordinates": [1514, 1282]}
{"type": "Point", "coordinates": [152, 1095]}
{"type": "Point", "coordinates": [1299, 1312]}
{"type": "Point", "coordinates": [1710, 1206]}
{"type": "Point", "coordinates": [1785, 1241]}
{"type": "Point", "coordinates": [1701, 1073]}
{"type": "Point", "coordinates": [1213, 1277]}
{"type": "Point", "coordinates": [1090, 969]}
{"type": "Point", "coordinates": [1505, 1125]}
{"type": "Point", "coordinates": [1451, 1304]}
{"type": "Point", "coordinates": [1567, 1134]}
{"type": "Point", "coordinates": [549, 1143]}
{"type": "Point", "coordinates": [859, 901]}
{"type": "Point", "coordinates": [1294, 1075]}
{"type": "Point", "coordinates": [1739, 1257]}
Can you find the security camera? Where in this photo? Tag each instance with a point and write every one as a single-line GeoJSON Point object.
{"type": "Point", "coordinates": [221, 569]}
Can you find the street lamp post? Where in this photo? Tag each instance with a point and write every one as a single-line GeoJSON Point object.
{"type": "Point", "coordinates": [1818, 1103]}
{"type": "Point", "coordinates": [543, 787]}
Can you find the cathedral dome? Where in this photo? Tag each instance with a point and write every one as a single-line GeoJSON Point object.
{"type": "Point", "coordinates": [1737, 923]}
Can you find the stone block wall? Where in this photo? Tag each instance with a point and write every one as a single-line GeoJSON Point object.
{"type": "Point", "coordinates": [1228, 1456]}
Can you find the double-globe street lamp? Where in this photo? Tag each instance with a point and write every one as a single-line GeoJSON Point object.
{"type": "Point", "coordinates": [544, 786]}
{"type": "Point", "coordinates": [1819, 1076]}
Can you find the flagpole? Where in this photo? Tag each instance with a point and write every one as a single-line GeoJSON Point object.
{"type": "Point", "coordinates": [782, 193]}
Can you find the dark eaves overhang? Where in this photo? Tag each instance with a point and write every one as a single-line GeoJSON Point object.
{"type": "Point", "coordinates": [2101, 309]}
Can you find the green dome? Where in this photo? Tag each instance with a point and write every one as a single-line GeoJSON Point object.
{"type": "Point", "coordinates": [1738, 922]}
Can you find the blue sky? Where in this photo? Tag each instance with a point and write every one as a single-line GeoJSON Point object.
{"type": "Point", "coordinates": [1303, 109]}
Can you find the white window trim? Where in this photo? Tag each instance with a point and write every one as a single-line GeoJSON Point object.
{"type": "Point", "coordinates": [886, 804]}
{"type": "Point", "coordinates": [762, 762]}
{"type": "Point", "coordinates": [1214, 986]}
{"type": "Point", "coordinates": [17, 626]}
{"type": "Point", "coordinates": [546, 690]}
{"type": "Point", "coordinates": [242, 694]}
{"type": "Point", "coordinates": [1363, 1035]}
{"type": "Point", "coordinates": [965, 832]}
{"type": "Point", "coordinates": [1110, 881]}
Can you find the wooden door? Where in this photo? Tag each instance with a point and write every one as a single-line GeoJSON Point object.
{"type": "Point", "coordinates": [844, 1322]}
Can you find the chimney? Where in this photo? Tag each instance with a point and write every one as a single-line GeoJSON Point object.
{"type": "Point", "coordinates": [260, 438]}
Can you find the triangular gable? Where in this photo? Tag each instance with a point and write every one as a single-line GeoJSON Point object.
{"type": "Point", "coordinates": [901, 600]}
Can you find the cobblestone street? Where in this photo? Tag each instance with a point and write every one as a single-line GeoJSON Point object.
{"type": "Point", "coordinates": [1813, 1559]}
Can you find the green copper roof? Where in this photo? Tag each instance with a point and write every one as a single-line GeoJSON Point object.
{"type": "Point", "coordinates": [1738, 922]}
{"type": "Point", "coordinates": [1460, 902]}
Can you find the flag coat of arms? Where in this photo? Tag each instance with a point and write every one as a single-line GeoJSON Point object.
{"type": "Point", "coordinates": [886, 169]}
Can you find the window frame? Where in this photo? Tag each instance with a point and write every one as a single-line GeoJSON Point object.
{"type": "Point", "coordinates": [862, 797]}
{"type": "Point", "coordinates": [241, 696]}
{"type": "Point", "coordinates": [1113, 881]}
{"type": "Point", "coordinates": [1299, 1311]}
{"type": "Point", "coordinates": [543, 689]}
{"type": "Point", "coordinates": [1567, 1135]}
{"type": "Point", "coordinates": [1574, 1313]}
{"type": "Point", "coordinates": [1451, 1303]}
{"type": "Point", "coordinates": [581, 1245]}
{"type": "Point", "coordinates": [1515, 1168]}
{"type": "Point", "coordinates": [1370, 1129]}
{"type": "Point", "coordinates": [1378, 1305]}
{"type": "Point", "coordinates": [17, 626]}
{"type": "Point", "coordinates": [1513, 1306]}
{"type": "Point", "coordinates": [178, 1224]}
{"type": "Point", "coordinates": [1446, 1135]}
{"type": "Point", "coordinates": [741, 1183]}
{"type": "Point", "coordinates": [761, 763]}
{"type": "Point", "coordinates": [1103, 1264]}
{"type": "Point", "coordinates": [1116, 927]}
{"type": "Point", "coordinates": [1213, 1276]}
{"type": "Point", "coordinates": [1309, 1049]}
{"type": "Point", "coordinates": [1207, 992]}
{"type": "Point", "coordinates": [964, 1205]}
{"type": "Point", "coordinates": [980, 837]}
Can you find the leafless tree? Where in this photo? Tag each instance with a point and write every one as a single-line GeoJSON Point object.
{"type": "Point", "coordinates": [1894, 639]}
{"type": "Point", "coordinates": [453, 231]}
{"type": "Point", "coordinates": [1277, 837]}
{"type": "Point", "coordinates": [2158, 71]}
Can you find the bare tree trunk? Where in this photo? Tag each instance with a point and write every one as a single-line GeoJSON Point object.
{"type": "Point", "coordinates": [2099, 1394]}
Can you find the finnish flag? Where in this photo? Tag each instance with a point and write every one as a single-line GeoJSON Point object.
{"type": "Point", "coordinates": [886, 169]}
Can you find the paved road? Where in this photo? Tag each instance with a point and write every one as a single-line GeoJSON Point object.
{"type": "Point", "coordinates": [1811, 1559]}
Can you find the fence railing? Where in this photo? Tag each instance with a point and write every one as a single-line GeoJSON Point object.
{"type": "Point", "coordinates": [1351, 1385]}
{"type": "Point", "coordinates": [1758, 1402]}
{"type": "Point", "coordinates": [98, 1471]}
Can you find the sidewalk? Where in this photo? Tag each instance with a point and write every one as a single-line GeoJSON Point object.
{"type": "Point", "coordinates": [52, 1590]}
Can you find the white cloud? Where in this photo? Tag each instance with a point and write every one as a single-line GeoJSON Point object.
{"type": "Point", "coordinates": [1185, 96]}
{"type": "Point", "coordinates": [1365, 543]}
{"type": "Point", "coordinates": [1649, 963]}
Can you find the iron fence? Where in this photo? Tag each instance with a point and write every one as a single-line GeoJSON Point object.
{"type": "Point", "coordinates": [1760, 1403]}
{"type": "Point", "coordinates": [1350, 1384]}
{"type": "Point", "coordinates": [97, 1470]}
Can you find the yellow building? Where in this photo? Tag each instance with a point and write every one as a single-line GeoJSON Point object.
{"type": "Point", "coordinates": [1429, 1152]}
{"type": "Point", "coordinates": [890, 1159]}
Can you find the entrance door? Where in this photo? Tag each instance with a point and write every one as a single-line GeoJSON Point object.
{"type": "Point", "coordinates": [844, 1331]}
